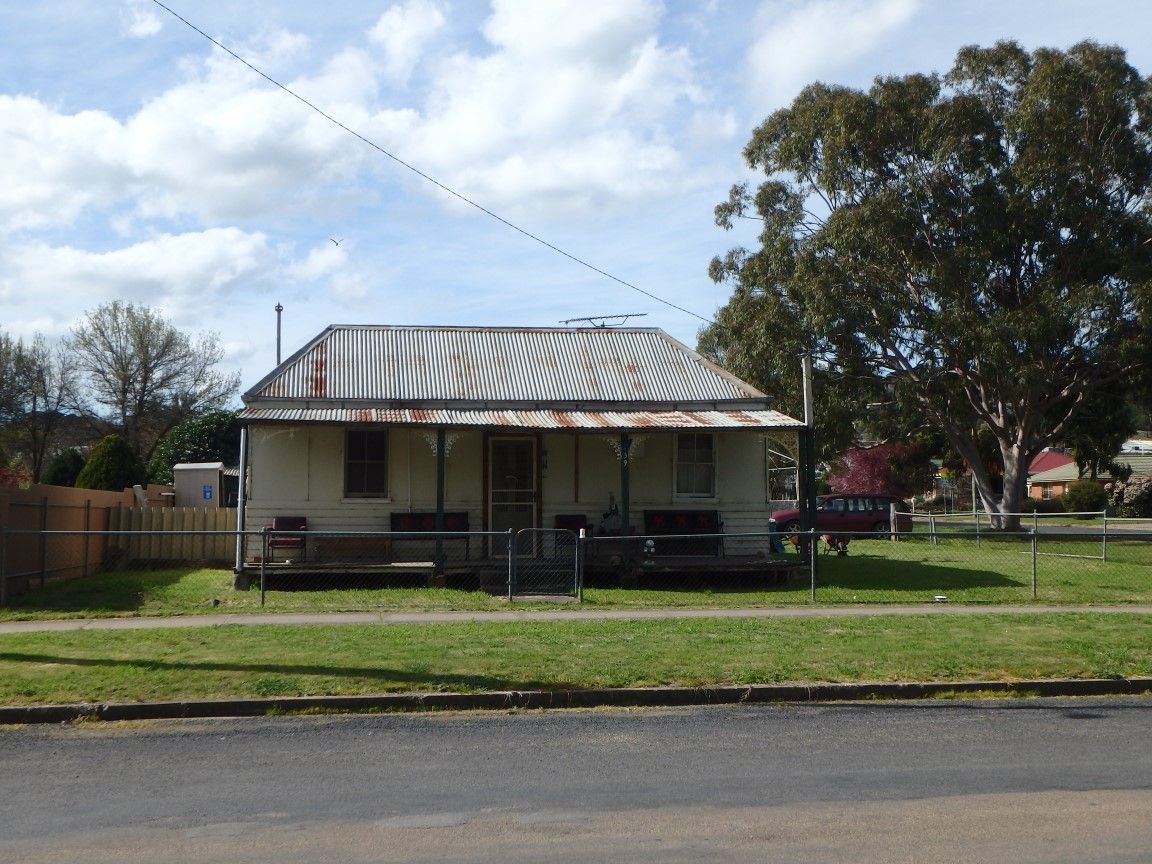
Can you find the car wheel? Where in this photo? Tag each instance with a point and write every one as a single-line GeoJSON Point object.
{"type": "Point", "coordinates": [882, 528]}
{"type": "Point", "coordinates": [792, 527]}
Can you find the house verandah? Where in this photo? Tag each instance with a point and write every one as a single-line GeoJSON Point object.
{"type": "Point", "coordinates": [487, 430]}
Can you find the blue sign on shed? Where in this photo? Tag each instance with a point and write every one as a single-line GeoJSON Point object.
{"type": "Point", "coordinates": [207, 492]}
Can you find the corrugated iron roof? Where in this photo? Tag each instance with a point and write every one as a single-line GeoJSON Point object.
{"type": "Point", "coordinates": [752, 419]}
{"type": "Point", "coordinates": [499, 364]}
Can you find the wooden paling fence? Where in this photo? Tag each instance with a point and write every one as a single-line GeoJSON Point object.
{"type": "Point", "coordinates": [176, 534]}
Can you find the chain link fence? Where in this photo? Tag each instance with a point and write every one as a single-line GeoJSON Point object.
{"type": "Point", "coordinates": [325, 570]}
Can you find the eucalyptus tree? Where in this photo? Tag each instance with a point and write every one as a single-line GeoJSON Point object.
{"type": "Point", "coordinates": [975, 247]}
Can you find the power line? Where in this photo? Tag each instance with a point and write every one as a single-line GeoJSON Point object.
{"type": "Point", "coordinates": [425, 176]}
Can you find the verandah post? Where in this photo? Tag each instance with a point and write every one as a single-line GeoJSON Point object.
{"type": "Point", "coordinates": [439, 560]}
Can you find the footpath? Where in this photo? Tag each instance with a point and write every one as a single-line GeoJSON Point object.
{"type": "Point", "coordinates": [542, 699]}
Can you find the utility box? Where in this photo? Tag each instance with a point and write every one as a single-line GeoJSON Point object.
{"type": "Point", "coordinates": [199, 484]}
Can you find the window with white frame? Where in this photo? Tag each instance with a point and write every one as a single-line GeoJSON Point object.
{"type": "Point", "coordinates": [366, 463]}
{"type": "Point", "coordinates": [695, 465]}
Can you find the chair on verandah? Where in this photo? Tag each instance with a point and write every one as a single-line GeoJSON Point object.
{"type": "Point", "coordinates": [286, 535]}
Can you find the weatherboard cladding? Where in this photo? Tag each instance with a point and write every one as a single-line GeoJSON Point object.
{"type": "Point", "coordinates": [751, 419]}
{"type": "Point", "coordinates": [437, 364]}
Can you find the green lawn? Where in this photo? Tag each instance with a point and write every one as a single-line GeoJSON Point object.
{"type": "Point", "coordinates": [993, 570]}
{"type": "Point", "coordinates": [276, 660]}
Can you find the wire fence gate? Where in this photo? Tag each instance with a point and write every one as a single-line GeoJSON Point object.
{"type": "Point", "coordinates": [545, 562]}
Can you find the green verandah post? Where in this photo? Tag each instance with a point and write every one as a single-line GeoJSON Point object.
{"type": "Point", "coordinates": [439, 561]}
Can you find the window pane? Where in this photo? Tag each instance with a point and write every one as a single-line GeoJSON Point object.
{"type": "Point", "coordinates": [366, 462]}
{"type": "Point", "coordinates": [376, 477]}
{"type": "Point", "coordinates": [703, 448]}
{"type": "Point", "coordinates": [355, 446]}
{"type": "Point", "coordinates": [376, 445]}
{"type": "Point", "coordinates": [695, 469]}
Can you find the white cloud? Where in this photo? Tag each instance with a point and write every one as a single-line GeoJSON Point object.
{"type": "Point", "coordinates": [54, 164]}
{"type": "Point", "coordinates": [323, 260]}
{"type": "Point", "coordinates": [140, 19]}
{"type": "Point", "coordinates": [404, 31]}
{"type": "Point", "coordinates": [576, 108]}
{"type": "Point", "coordinates": [796, 46]}
{"type": "Point", "coordinates": [184, 274]}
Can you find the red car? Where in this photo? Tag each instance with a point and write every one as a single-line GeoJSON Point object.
{"type": "Point", "coordinates": [850, 514]}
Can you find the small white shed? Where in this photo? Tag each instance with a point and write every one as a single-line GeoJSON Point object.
{"type": "Point", "coordinates": [199, 484]}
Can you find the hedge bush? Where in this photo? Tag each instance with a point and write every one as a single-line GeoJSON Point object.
{"type": "Point", "coordinates": [1085, 496]}
{"type": "Point", "coordinates": [111, 465]}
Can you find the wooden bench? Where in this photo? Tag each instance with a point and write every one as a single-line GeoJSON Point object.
{"type": "Point", "coordinates": [425, 523]}
{"type": "Point", "coordinates": [659, 523]}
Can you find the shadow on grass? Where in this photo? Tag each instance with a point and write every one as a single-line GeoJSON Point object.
{"type": "Point", "coordinates": [877, 573]}
{"type": "Point", "coordinates": [111, 591]}
{"type": "Point", "coordinates": [407, 678]}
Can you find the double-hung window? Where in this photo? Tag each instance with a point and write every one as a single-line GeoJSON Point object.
{"type": "Point", "coordinates": [695, 465]}
{"type": "Point", "coordinates": [366, 463]}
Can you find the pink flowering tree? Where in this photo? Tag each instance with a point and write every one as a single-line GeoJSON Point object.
{"type": "Point", "coordinates": [892, 468]}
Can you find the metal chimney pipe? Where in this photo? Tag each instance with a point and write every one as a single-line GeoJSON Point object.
{"type": "Point", "coordinates": [279, 309]}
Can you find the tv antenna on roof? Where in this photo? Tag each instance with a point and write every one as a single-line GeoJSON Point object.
{"type": "Point", "coordinates": [604, 321]}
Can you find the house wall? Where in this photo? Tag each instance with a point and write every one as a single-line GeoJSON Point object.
{"type": "Point", "coordinates": [300, 472]}
{"type": "Point", "coordinates": [1057, 489]}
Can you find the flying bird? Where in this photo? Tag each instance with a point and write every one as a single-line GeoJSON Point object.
{"type": "Point", "coordinates": [336, 242]}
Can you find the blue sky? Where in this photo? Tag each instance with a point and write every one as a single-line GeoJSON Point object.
{"type": "Point", "coordinates": [140, 163]}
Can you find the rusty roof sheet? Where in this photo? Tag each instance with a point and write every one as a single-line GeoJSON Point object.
{"type": "Point", "coordinates": [575, 420]}
{"type": "Point", "coordinates": [498, 364]}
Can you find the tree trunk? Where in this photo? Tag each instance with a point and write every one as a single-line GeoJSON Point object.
{"type": "Point", "coordinates": [1015, 460]}
{"type": "Point", "coordinates": [1004, 508]}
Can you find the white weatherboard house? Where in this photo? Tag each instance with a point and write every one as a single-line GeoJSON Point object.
{"type": "Point", "coordinates": [509, 428]}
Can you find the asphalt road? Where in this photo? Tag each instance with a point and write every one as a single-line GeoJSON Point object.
{"type": "Point", "coordinates": [1020, 780]}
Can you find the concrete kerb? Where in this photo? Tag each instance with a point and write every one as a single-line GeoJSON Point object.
{"type": "Point", "coordinates": [625, 697]}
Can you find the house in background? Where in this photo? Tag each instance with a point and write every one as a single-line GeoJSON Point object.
{"type": "Point", "coordinates": [1043, 462]}
{"type": "Point", "coordinates": [1055, 481]}
{"type": "Point", "coordinates": [367, 428]}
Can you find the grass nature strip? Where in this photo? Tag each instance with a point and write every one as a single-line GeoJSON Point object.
{"type": "Point", "coordinates": [995, 571]}
{"type": "Point", "coordinates": [274, 660]}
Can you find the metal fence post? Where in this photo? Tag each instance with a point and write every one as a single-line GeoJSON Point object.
{"type": "Point", "coordinates": [580, 541]}
{"type": "Point", "coordinates": [87, 536]}
{"type": "Point", "coordinates": [932, 529]}
{"type": "Point", "coordinates": [43, 540]}
{"type": "Point", "coordinates": [511, 566]}
{"type": "Point", "coordinates": [263, 561]}
{"type": "Point", "coordinates": [1104, 539]}
{"type": "Point", "coordinates": [1035, 538]}
{"type": "Point", "coordinates": [3, 565]}
{"type": "Point", "coordinates": [813, 556]}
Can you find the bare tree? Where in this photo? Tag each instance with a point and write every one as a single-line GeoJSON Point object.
{"type": "Point", "coordinates": [48, 384]}
{"type": "Point", "coordinates": [146, 374]}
